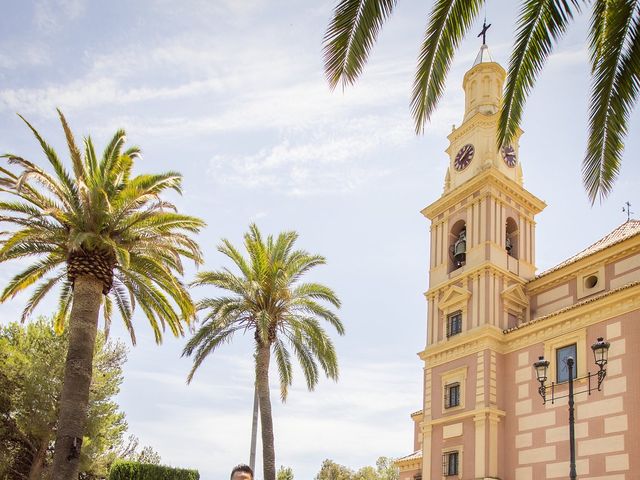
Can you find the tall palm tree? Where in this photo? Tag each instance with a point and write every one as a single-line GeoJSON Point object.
{"type": "Point", "coordinates": [267, 299]}
{"type": "Point", "coordinates": [614, 41]}
{"type": "Point", "coordinates": [102, 237]}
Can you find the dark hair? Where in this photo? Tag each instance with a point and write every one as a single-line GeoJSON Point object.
{"type": "Point", "coordinates": [242, 468]}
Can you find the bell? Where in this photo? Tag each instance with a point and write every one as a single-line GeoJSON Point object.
{"type": "Point", "coordinates": [460, 249]}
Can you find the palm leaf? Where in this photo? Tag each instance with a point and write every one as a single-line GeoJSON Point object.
{"type": "Point", "coordinates": [350, 36]}
{"type": "Point", "coordinates": [615, 56]}
{"type": "Point", "coordinates": [448, 23]}
{"type": "Point", "coordinates": [541, 23]}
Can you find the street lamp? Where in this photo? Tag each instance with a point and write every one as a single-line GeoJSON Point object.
{"type": "Point", "coordinates": [601, 353]}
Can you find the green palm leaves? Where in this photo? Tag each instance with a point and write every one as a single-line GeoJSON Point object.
{"type": "Point", "coordinates": [266, 298]}
{"type": "Point", "coordinates": [350, 36]}
{"type": "Point", "coordinates": [448, 23]}
{"type": "Point", "coordinates": [540, 24]}
{"type": "Point", "coordinates": [103, 216]}
{"type": "Point", "coordinates": [615, 61]}
{"type": "Point", "coordinates": [615, 65]}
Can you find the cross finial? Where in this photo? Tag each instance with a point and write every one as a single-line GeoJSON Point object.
{"type": "Point", "coordinates": [483, 33]}
{"type": "Point", "coordinates": [627, 209]}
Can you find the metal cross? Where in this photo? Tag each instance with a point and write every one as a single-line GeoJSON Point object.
{"type": "Point", "coordinates": [485, 27]}
{"type": "Point", "coordinates": [627, 210]}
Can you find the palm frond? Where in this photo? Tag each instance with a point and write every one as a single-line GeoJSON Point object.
{"type": "Point", "coordinates": [107, 313]}
{"type": "Point", "coordinates": [350, 36]}
{"type": "Point", "coordinates": [74, 151]}
{"type": "Point", "coordinates": [615, 57]}
{"type": "Point", "coordinates": [64, 307]}
{"type": "Point", "coordinates": [39, 294]}
{"type": "Point", "coordinates": [29, 276]}
{"type": "Point", "coordinates": [214, 340]}
{"type": "Point", "coordinates": [448, 23]}
{"type": "Point", "coordinates": [285, 368]}
{"type": "Point", "coordinates": [541, 24]}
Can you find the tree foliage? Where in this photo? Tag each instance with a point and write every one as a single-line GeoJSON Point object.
{"type": "Point", "coordinates": [614, 44]}
{"type": "Point", "coordinates": [285, 473]}
{"type": "Point", "coordinates": [331, 470]}
{"type": "Point", "coordinates": [31, 373]}
{"type": "Point", "coordinates": [384, 470]}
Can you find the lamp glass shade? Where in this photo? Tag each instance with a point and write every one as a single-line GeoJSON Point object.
{"type": "Point", "coordinates": [541, 367]}
{"type": "Point", "coordinates": [601, 352]}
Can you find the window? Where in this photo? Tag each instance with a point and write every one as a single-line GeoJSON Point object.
{"type": "Point", "coordinates": [454, 323]}
{"type": "Point", "coordinates": [452, 384]}
{"type": "Point", "coordinates": [452, 395]}
{"type": "Point", "coordinates": [561, 361]}
{"type": "Point", "coordinates": [450, 463]}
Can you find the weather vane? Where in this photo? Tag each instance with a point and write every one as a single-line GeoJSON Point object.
{"type": "Point", "coordinates": [627, 209]}
{"type": "Point", "coordinates": [485, 27]}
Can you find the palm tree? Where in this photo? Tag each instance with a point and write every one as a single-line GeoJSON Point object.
{"type": "Point", "coordinates": [266, 299]}
{"type": "Point", "coordinates": [106, 240]}
{"type": "Point", "coordinates": [615, 64]}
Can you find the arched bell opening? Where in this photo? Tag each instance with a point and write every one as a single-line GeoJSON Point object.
{"type": "Point", "coordinates": [512, 238]}
{"type": "Point", "coordinates": [457, 245]}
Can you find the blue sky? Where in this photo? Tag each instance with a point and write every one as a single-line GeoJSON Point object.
{"type": "Point", "coordinates": [231, 93]}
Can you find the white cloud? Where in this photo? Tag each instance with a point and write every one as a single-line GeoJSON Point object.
{"type": "Point", "coordinates": [15, 56]}
{"type": "Point", "coordinates": [50, 14]}
{"type": "Point", "coordinates": [94, 93]}
{"type": "Point", "coordinates": [326, 160]}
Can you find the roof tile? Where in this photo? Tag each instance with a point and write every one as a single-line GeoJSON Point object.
{"type": "Point", "coordinates": [623, 232]}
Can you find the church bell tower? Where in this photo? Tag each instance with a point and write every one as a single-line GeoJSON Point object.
{"type": "Point", "coordinates": [482, 240]}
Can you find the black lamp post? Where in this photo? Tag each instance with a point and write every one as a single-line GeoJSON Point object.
{"type": "Point", "coordinates": [600, 353]}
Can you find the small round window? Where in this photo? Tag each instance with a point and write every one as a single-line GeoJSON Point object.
{"type": "Point", "coordinates": [591, 281]}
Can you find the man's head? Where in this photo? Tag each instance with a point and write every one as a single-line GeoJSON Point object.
{"type": "Point", "coordinates": [242, 472]}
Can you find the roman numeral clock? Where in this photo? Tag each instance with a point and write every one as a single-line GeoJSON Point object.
{"type": "Point", "coordinates": [464, 157]}
{"type": "Point", "coordinates": [509, 156]}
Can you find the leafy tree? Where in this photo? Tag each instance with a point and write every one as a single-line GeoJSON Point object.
{"type": "Point", "coordinates": [384, 470]}
{"type": "Point", "coordinates": [106, 240]}
{"type": "Point", "coordinates": [366, 473]}
{"type": "Point", "coordinates": [129, 452]}
{"type": "Point", "coordinates": [614, 41]}
{"type": "Point", "coordinates": [285, 473]}
{"type": "Point", "coordinates": [266, 299]}
{"type": "Point", "coordinates": [331, 470]}
{"type": "Point", "coordinates": [31, 373]}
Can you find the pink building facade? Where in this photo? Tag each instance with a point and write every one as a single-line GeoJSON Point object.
{"type": "Point", "coordinates": [490, 317]}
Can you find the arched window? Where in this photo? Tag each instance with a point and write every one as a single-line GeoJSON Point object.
{"type": "Point", "coordinates": [457, 245]}
{"type": "Point", "coordinates": [511, 238]}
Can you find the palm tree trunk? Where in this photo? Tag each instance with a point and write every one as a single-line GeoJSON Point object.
{"type": "Point", "coordinates": [266, 421]}
{"type": "Point", "coordinates": [254, 429]}
{"type": "Point", "coordinates": [83, 325]}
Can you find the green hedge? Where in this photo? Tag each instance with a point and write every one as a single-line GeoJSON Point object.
{"type": "Point", "coordinates": [145, 471]}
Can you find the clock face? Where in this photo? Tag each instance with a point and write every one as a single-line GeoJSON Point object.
{"type": "Point", "coordinates": [509, 156]}
{"type": "Point", "coordinates": [464, 157]}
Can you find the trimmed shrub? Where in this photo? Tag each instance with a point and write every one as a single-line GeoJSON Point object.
{"type": "Point", "coordinates": [121, 470]}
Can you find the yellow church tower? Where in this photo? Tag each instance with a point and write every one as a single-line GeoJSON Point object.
{"type": "Point", "coordinates": [482, 253]}
{"type": "Point", "coordinates": [487, 414]}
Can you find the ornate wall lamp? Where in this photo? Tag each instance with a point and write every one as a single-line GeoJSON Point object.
{"type": "Point", "coordinates": [601, 354]}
